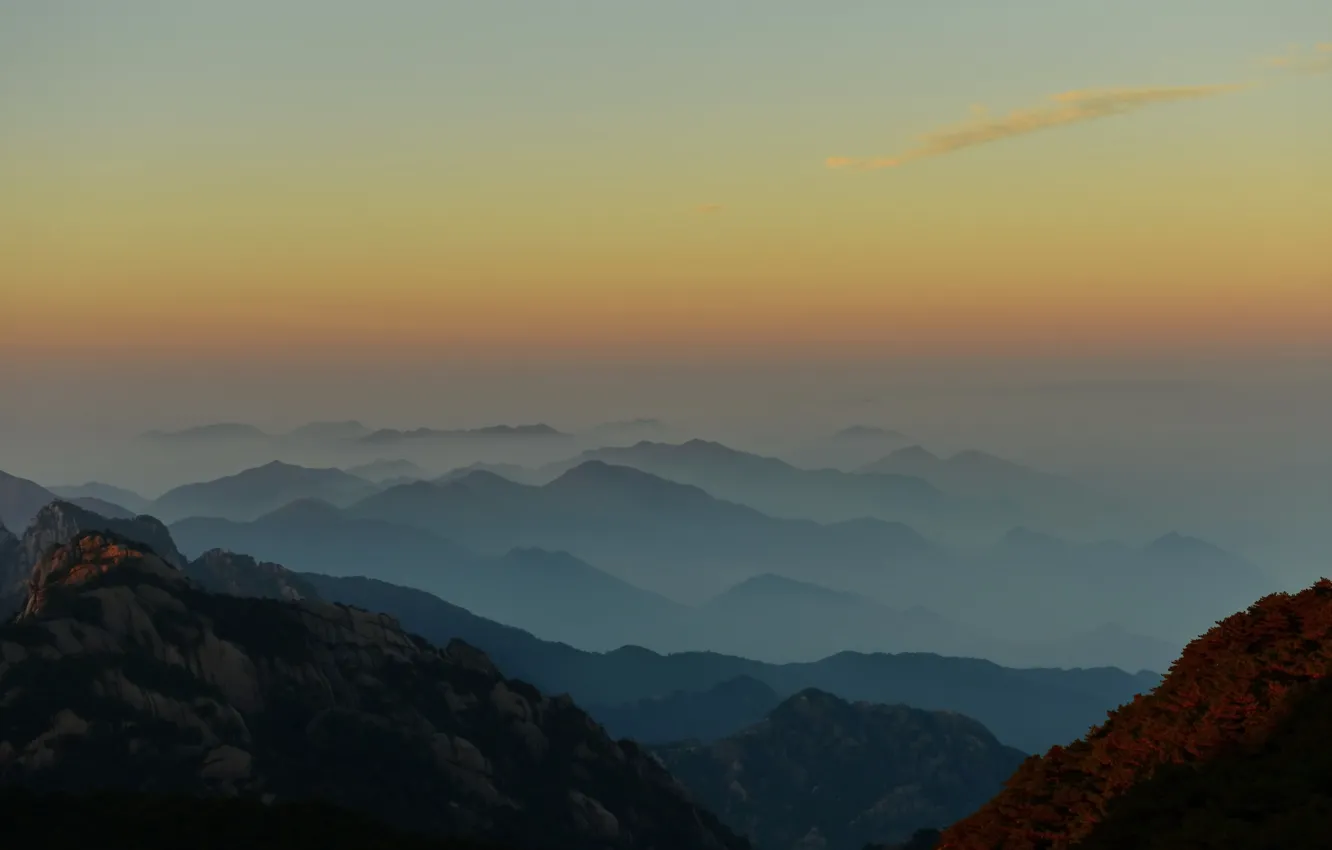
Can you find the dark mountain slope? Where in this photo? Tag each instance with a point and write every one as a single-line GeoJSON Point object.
{"type": "Point", "coordinates": [121, 673]}
{"type": "Point", "coordinates": [684, 715]}
{"type": "Point", "coordinates": [845, 773]}
{"type": "Point", "coordinates": [161, 822]}
{"type": "Point", "coordinates": [1231, 747]}
{"type": "Point", "coordinates": [1025, 708]}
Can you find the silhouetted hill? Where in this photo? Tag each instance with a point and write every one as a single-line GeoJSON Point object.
{"type": "Point", "coordinates": [254, 492]}
{"type": "Point", "coordinates": [122, 674]}
{"type": "Point", "coordinates": [1230, 750]}
{"type": "Point", "coordinates": [821, 770]}
{"type": "Point", "coordinates": [172, 822]}
{"type": "Point", "coordinates": [690, 715]}
{"type": "Point", "coordinates": [127, 499]}
{"type": "Point", "coordinates": [20, 500]}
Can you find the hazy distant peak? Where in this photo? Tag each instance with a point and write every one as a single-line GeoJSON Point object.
{"type": "Point", "coordinates": [768, 585]}
{"type": "Point", "coordinates": [598, 473]}
{"type": "Point", "coordinates": [913, 452]}
{"type": "Point", "coordinates": [1174, 543]}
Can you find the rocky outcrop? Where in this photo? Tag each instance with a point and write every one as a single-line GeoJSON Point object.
{"type": "Point", "coordinates": [60, 522]}
{"type": "Point", "coordinates": [122, 673]}
{"type": "Point", "coordinates": [820, 772]}
{"type": "Point", "coordinates": [219, 571]}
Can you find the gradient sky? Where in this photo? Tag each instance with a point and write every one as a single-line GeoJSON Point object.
{"type": "Point", "coordinates": [292, 179]}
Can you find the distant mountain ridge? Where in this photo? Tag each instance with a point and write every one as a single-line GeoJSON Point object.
{"type": "Point", "coordinates": [253, 492]}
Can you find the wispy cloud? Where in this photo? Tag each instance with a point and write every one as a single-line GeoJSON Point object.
{"type": "Point", "coordinates": [1315, 61]}
{"type": "Point", "coordinates": [708, 208]}
{"type": "Point", "coordinates": [1069, 107]}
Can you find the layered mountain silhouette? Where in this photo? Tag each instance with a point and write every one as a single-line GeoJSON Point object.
{"type": "Point", "coordinates": [662, 535]}
{"type": "Point", "coordinates": [560, 597]}
{"type": "Point", "coordinates": [1229, 751]}
{"type": "Point", "coordinates": [819, 771]}
{"type": "Point", "coordinates": [1026, 708]}
{"type": "Point", "coordinates": [780, 489]}
{"type": "Point", "coordinates": [254, 492]}
{"type": "Point", "coordinates": [551, 593]}
{"type": "Point", "coordinates": [629, 686]}
{"type": "Point", "coordinates": [121, 673]}
{"type": "Point", "coordinates": [1024, 494]}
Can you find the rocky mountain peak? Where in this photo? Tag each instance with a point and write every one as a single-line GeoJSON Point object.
{"type": "Point", "coordinates": [86, 558]}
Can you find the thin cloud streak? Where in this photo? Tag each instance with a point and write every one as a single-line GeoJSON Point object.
{"type": "Point", "coordinates": [1070, 107]}
{"type": "Point", "coordinates": [1316, 61]}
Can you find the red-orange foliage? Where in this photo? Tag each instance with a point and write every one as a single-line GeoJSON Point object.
{"type": "Point", "coordinates": [1229, 688]}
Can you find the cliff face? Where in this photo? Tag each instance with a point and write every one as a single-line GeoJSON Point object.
{"type": "Point", "coordinates": [122, 673]}
{"type": "Point", "coordinates": [1230, 750]}
{"type": "Point", "coordinates": [819, 772]}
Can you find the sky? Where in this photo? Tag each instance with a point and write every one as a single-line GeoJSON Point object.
{"type": "Point", "coordinates": [306, 182]}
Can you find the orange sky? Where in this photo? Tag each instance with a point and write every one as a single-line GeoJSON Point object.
{"type": "Point", "coordinates": [1111, 208]}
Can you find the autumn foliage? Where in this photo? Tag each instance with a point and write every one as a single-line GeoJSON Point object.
{"type": "Point", "coordinates": [1226, 695]}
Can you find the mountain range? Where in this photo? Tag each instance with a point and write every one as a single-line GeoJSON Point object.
{"type": "Point", "coordinates": [657, 536]}
{"type": "Point", "coordinates": [120, 673]}
{"type": "Point", "coordinates": [560, 597]}
{"type": "Point", "coordinates": [1026, 708]}
{"type": "Point", "coordinates": [819, 771]}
